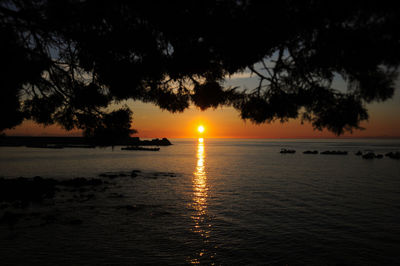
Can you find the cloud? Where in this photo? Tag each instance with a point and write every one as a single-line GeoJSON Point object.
{"type": "Point", "coordinates": [243, 75]}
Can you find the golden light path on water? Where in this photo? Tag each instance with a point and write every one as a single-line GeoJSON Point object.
{"type": "Point", "coordinates": [199, 199]}
{"type": "Point", "coordinates": [200, 185]}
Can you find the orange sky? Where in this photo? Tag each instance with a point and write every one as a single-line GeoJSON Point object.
{"type": "Point", "coordinates": [151, 122]}
{"type": "Point", "coordinates": [225, 122]}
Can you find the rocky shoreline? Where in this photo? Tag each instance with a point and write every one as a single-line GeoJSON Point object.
{"type": "Point", "coordinates": [27, 201]}
{"type": "Point", "coordinates": [365, 155]}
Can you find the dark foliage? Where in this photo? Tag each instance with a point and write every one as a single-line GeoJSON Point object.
{"type": "Point", "coordinates": [113, 128]}
{"type": "Point", "coordinates": [66, 61]}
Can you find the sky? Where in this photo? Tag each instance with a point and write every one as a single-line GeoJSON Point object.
{"type": "Point", "coordinates": [151, 122]}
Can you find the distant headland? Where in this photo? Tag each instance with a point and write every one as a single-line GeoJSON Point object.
{"type": "Point", "coordinates": [74, 142]}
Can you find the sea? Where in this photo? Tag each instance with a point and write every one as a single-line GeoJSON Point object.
{"type": "Point", "coordinates": [212, 202]}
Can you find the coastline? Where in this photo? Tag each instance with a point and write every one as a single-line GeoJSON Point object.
{"type": "Point", "coordinates": [74, 142]}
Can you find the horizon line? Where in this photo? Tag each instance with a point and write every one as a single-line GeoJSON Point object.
{"type": "Point", "coordinates": [235, 137]}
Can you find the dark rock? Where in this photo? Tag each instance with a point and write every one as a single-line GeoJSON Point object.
{"type": "Point", "coordinates": [368, 156]}
{"type": "Point", "coordinates": [359, 153]}
{"type": "Point", "coordinates": [20, 192]}
{"type": "Point", "coordinates": [10, 218]}
{"type": "Point", "coordinates": [134, 173]}
{"type": "Point", "coordinates": [165, 142]}
{"type": "Point", "coordinates": [393, 155]}
{"type": "Point", "coordinates": [27, 189]}
{"type": "Point", "coordinates": [334, 152]}
{"type": "Point", "coordinates": [287, 151]}
{"type": "Point", "coordinates": [371, 155]}
{"type": "Point", "coordinates": [310, 152]}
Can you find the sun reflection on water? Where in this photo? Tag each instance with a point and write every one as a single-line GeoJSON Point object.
{"type": "Point", "coordinates": [199, 200]}
{"type": "Point", "coordinates": [200, 189]}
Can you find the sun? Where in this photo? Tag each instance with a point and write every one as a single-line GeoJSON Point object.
{"type": "Point", "coordinates": [200, 129]}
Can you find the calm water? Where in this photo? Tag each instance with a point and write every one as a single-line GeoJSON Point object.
{"type": "Point", "coordinates": [227, 202]}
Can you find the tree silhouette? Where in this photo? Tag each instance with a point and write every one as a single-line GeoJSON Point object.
{"type": "Point", "coordinates": [67, 61]}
